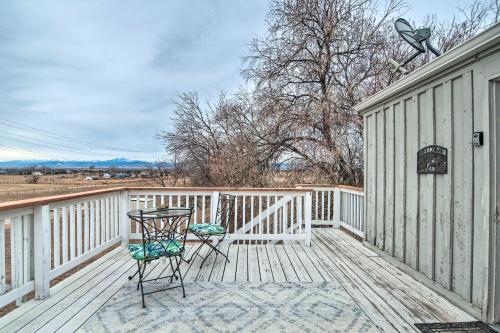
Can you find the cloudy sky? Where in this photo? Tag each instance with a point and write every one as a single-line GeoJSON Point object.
{"type": "Point", "coordinates": [96, 79]}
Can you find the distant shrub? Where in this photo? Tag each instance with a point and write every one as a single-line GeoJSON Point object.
{"type": "Point", "coordinates": [32, 179]}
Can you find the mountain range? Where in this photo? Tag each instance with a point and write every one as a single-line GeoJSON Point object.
{"type": "Point", "coordinates": [113, 163]}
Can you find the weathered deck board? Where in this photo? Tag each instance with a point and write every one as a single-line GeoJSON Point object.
{"type": "Point", "coordinates": [230, 269]}
{"type": "Point", "coordinates": [395, 297]}
{"type": "Point", "coordinates": [428, 303]}
{"type": "Point", "coordinates": [390, 298]}
{"type": "Point", "coordinates": [276, 268]}
{"type": "Point", "coordinates": [81, 277]}
{"type": "Point", "coordinates": [242, 264]}
{"type": "Point", "coordinates": [393, 321]}
{"type": "Point", "coordinates": [266, 273]}
{"type": "Point", "coordinates": [219, 265]}
{"type": "Point", "coordinates": [286, 264]}
{"type": "Point", "coordinates": [253, 264]}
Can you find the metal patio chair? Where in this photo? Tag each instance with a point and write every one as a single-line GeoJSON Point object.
{"type": "Point", "coordinates": [206, 231]}
{"type": "Point", "coordinates": [163, 236]}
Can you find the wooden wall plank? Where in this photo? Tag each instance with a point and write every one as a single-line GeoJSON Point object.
{"type": "Point", "coordinates": [370, 179]}
{"type": "Point", "coordinates": [481, 99]}
{"type": "Point", "coordinates": [389, 178]}
{"type": "Point", "coordinates": [426, 189]}
{"type": "Point", "coordinates": [444, 187]}
{"type": "Point", "coordinates": [411, 216]}
{"type": "Point", "coordinates": [400, 181]}
{"type": "Point", "coordinates": [380, 181]}
{"type": "Point", "coordinates": [462, 184]}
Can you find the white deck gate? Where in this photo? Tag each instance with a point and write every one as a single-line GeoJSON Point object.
{"type": "Point", "coordinates": [44, 238]}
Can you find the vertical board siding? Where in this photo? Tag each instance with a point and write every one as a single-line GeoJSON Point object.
{"type": "Point", "coordinates": [436, 224]}
{"type": "Point", "coordinates": [380, 236]}
{"type": "Point", "coordinates": [370, 179]}
{"type": "Point", "coordinates": [389, 177]}
{"type": "Point", "coordinates": [426, 188]}
{"type": "Point", "coordinates": [444, 188]}
{"type": "Point", "coordinates": [399, 181]}
{"type": "Point", "coordinates": [462, 184]}
{"type": "Point", "coordinates": [411, 196]}
{"type": "Point", "coordinates": [481, 121]}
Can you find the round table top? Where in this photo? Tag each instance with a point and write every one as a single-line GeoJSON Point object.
{"type": "Point", "coordinates": [151, 213]}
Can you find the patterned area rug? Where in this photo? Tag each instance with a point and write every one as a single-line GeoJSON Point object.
{"type": "Point", "coordinates": [232, 307]}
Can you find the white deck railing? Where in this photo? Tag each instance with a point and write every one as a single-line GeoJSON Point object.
{"type": "Point", "coordinates": [259, 214]}
{"type": "Point", "coordinates": [338, 206]}
{"type": "Point", "coordinates": [351, 215]}
{"type": "Point", "coordinates": [40, 239]}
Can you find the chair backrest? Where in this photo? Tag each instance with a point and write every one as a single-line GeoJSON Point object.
{"type": "Point", "coordinates": [225, 210]}
{"type": "Point", "coordinates": [164, 225]}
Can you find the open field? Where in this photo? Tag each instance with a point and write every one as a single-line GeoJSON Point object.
{"type": "Point", "coordinates": [15, 187]}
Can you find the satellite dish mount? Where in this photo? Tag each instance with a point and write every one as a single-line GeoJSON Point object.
{"type": "Point", "coordinates": [416, 38]}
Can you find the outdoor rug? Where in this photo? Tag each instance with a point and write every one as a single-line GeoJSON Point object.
{"type": "Point", "coordinates": [233, 307]}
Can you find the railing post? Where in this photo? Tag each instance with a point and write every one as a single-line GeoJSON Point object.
{"type": "Point", "coordinates": [124, 220]}
{"type": "Point", "coordinates": [337, 197]}
{"type": "Point", "coordinates": [308, 217]}
{"type": "Point", "coordinates": [41, 258]}
{"type": "Point", "coordinates": [214, 202]}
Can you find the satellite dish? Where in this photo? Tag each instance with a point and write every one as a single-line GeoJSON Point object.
{"type": "Point", "coordinates": [414, 37]}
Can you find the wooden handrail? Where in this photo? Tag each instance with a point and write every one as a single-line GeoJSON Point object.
{"type": "Point", "coordinates": [347, 187]}
{"type": "Point", "coordinates": [62, 197]}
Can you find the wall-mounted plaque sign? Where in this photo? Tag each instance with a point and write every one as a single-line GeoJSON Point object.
{"type": "Point", "coordinates": [432, 160]}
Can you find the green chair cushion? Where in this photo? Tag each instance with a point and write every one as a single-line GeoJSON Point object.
{"type": "Point", "coordinates": [207, 229]}
{"type": "Point", "coordinates": [155, 250]}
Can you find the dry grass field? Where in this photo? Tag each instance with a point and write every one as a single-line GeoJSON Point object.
{"type": "Point", "coordinates": [15, 187]}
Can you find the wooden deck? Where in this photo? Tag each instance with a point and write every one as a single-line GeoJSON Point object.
{"type": "Point", "coordinates": [392, 300]}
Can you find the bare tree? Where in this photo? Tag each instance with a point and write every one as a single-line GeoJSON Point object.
{"type": "Point", "coordinates": [310, 70]}
{"type": "Point", "coordinates": [216, 142]}
{"type": "Point", "coordinates": [318, 59]}
{"type": "Point", "coordinates": [165, 173]}
{"type": "Point", "coordinates": [322, 57]}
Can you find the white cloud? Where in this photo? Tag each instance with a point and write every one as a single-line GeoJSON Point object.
{"type": "Point", "coordinates": [107, 71]}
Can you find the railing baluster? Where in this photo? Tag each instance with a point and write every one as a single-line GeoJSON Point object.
{"type": "Point", "coordinates": [27, 247]}
{"type": "Point", "coordinates": [92, 224]}
{"type": "Point", "coordinates": [276, 224]}
{"type": "Point", "coordinates": [56, 237]}
{"type": "Point", "coordinates": [243, 215]}
{"type": "Point", "coordinates": [316, 204]}
{"type": "Point", "coordinates": [308, 217]}
{"type": "Point", "coordinates": [260, 216]}
{"type": "Point", "coordinates": [64, 238]}
{"type": "Point", "coordinates": [3, 279]}
{"type": "Point", "coordinates": [86, 222]}
{"type": "Point", "coordinates": [106, 220]}
{"type": "Point", "coordinates": [195, 211]}
{"type": "Point", "coordinates": [268, 217]}
{"type": "Point", "coordinates": [16, 248]}
{"type": "Point", "coordinates": [252, 202]}
{"type": "Point", "coordinates": [98, 222]}
{"type": "Point", "coordinates": [299, 212]}
{"type": "Point", "coordinates": [117, 216]}
{"type": "Point", "coordinates": [72, 223]}
{"type": "Point", "coordinates": [235, 214]}
{"type": "Point", "coordinates": [322, 205]}
{"type": "Point", "coordinates": [79, 228]}
{"type": "Point", "coordinates": [111, 218]}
